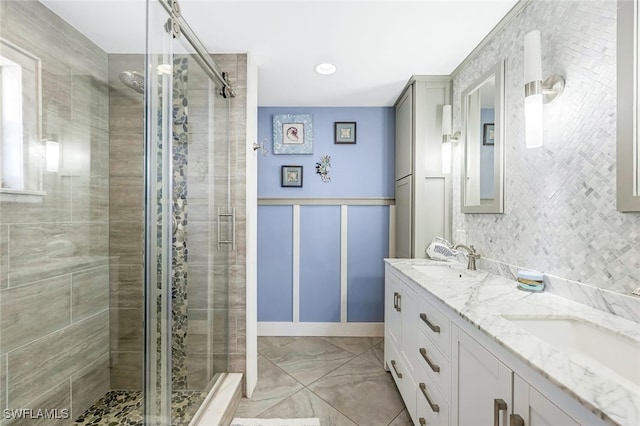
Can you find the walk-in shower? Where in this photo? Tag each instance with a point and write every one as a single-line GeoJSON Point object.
{"type": "Point", "coordinates": [120, 270]}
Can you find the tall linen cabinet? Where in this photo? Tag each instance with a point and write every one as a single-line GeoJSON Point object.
{"type": "Point", "coordinates": [422, 190]}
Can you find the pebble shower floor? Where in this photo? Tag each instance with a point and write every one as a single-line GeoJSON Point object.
{"type": "Point", "coordinates": [124, 408]}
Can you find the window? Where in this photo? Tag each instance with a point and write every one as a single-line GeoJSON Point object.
{"type": "Point", "coordinates": [21, 147]}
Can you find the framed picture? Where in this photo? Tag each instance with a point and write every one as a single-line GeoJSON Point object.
{"type": "Point", "coordinates": [345, 132]}
{"type": "Point", "coordinates": [291, 176]}
{"type": "Point", "coordinates": [292, 134]}
{"type": "Point", "coordinates": [488, 134]}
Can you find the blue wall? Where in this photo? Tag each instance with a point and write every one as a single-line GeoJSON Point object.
{"type": "Point", "coordinates": [365, 169]}
{"type": "Point", "coordinates": [361, 170]}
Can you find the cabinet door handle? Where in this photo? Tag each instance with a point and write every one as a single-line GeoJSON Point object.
{"type": "Point", "coordinates": [399, 374]}
{"type": "Point", "coordinates": [399, 302]}
{"type": "Point", "coordinates": [422, 421]}
{"type": "Point", "coordinates": [434, 328]}
{"type": "Point", "coordinates": [516, 420]}
{"type": "Point", "coordinates": [498, 405]}
{"type": "Point", "coordinates": [395, 301]}
{"type": "Point", "coordinates": [434, 367]}
{"type": "Point", "coordinates": [434, 407]}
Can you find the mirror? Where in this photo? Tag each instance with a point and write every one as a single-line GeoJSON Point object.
{"type": "Point", "coordinates": [628, 96]}
{"type": "Point", "coordinates": [482, 189]}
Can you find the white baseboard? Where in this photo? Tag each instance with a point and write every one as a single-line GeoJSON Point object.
{"type": "Point", "coordinates": [332, 329]}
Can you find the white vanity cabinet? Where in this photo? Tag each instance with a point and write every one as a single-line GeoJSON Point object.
{"type": "Point", "coordinates": [534, 409]}
{"type": "Point", "coordinates": [449, 373]}
{"type": "Point", "coordinates": [400, 302]}
{"type": "Point", "coordinates": [482, 384]}
{"type": "Point", "coordinates": [418, 359]}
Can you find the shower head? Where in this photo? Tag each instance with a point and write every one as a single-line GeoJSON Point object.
{"type": "Point", "coordinates": [133, 80]}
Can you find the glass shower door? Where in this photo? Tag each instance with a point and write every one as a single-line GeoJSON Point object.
{"type": "Point", "coordinates": [190, 229]}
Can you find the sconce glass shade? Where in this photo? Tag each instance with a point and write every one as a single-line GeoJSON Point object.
{"type": "Point", "coordinates": [446, 157]}
{"type": "Point", "coordinates": [52, 155]}
{"type": "Point", "coordinates": [533, 101]}
{"type": "Point", "coordinates": [446, 120]}
{"type": "Point", "coordinates": [533, 117]}
{"type": "Point", "coordinates": [446, 139]}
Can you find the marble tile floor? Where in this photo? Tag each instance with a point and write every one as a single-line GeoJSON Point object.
{"type": "Point", "coordinates": [340, 380]}
{"type": "Point", "coordinates": [124, 408]}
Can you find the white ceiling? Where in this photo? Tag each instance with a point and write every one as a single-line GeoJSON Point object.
{"type": "Point", "coordinates": [376, 45]}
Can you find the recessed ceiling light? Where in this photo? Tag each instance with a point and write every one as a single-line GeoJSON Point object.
{"type": "Point", "coordinates": [325, 69]}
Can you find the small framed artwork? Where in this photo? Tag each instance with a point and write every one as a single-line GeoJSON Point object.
{"type": "Point", "coordinates": [345, 132]}
{"type": "Point", "coordinates": [291, 176]}
{"type": "Point", "coordinates": [488, 134]}
{"type": "Point", "coordinates": [292, 134]}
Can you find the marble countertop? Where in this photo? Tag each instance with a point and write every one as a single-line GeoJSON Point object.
{"type": "Point", "coordinates": [485, 299]}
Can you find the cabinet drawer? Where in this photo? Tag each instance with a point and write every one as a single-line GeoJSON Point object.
{"type": "Point", "coordinates": [405, 383]}
{"type": "Point", "coordinates": [435, 325]}
{"type": "Point", "coordinates": [432, 408]}
{"type": "Point", "coordinates": [436, 366]}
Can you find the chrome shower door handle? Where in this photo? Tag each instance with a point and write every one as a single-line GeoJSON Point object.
{"type": "Point", "coordinates": [232, 240]}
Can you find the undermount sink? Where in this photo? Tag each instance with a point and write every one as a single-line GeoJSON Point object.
{"type": "Point", "coordinates": [617, 355]}
{"type": "Point", "coordinates": [443, 271]}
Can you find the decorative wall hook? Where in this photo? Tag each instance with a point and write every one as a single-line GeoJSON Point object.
{"type": "Point", "coordinates": [322, 168]}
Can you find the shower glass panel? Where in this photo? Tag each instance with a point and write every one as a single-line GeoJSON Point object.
{"type": "Point", "coordinates": [190, 230]}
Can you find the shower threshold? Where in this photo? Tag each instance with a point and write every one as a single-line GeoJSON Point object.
{"type": "Point", "coordinates": [125, 408]}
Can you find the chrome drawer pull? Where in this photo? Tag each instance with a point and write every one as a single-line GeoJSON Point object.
{"type": "Point", "coordinates": [434, 328]}
{"type": "Point", "coordinates": [434, 367]}
{"type": "Point", "coordinates": [422, 421]}
{"type": "Point", "coordinates": [399, 302]}
{"type": "Point", "coordinates": [434, 407]}
{"type": "Point", "coordinates": [498, 405]}
{"type": "Point", "coordinates": [399, 374]}
{"type": "Point", "coordinates": [395, 301]}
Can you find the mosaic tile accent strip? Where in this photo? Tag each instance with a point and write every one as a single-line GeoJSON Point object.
{"type": "Point", "coordinates": [560, 211]}
{"type": "Point", "coordinates": [179, 282]}
{"type": "Point", "coordinates": [125, 408]}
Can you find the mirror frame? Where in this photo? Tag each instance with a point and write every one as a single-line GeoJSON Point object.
{"type": "Point", "coordinates": [497, 206]}
{"type": "Point", "coordinates": [627, 141]}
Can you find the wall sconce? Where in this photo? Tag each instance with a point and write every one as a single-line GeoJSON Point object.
{"type": "Point", "coordinates": [536, 91]}
{"type": "Point", "coordinates": [447, 138]}
{"type": "Point", "coordinates": [52, 156]}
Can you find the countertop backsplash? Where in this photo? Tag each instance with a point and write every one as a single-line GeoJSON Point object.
{"type": "Point", "coordinates": [627, 307]}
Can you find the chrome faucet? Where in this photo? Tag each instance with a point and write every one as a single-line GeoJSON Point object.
{"type": "Point", "coordinates": [471, 254]}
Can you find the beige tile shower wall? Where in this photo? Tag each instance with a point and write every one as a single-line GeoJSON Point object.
{"type": "Point", "coordinates": [560, 212]}
{"type": "Point", "coordinates": [126, 236]}
{"type": "Point", "coordinates": [54, 274]}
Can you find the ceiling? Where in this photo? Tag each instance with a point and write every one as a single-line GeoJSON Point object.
{"type": "Point", "coordinates": [375, 45]}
